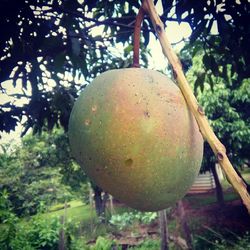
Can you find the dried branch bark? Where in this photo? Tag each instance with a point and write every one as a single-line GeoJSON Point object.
{"type": "Point", "coordinates": [205, 128]}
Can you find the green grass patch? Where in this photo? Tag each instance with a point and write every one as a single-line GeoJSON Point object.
{"type": "Point", "coordinates": [246, 174]}
{"type": "Point", "coordinates": [246, 171]}
{"type": "Point", "coordinates": [82, 220]}
{"type": "Point", "coordinates": [200, 200]}
{"type": "Point", "coordinates": [79, 217]}
{"type": "Point", "coordinates": [76, 211]}
{"type": "Point", "coordinates": [71, 204]}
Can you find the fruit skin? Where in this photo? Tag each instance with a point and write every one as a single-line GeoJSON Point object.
{"type": "Point", "coordinates": [132, 133]}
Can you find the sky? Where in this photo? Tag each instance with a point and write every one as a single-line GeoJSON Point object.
{"type": "Point", "coordinates": [175, 33]}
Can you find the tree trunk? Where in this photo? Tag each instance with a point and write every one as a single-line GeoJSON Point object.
{"type": "Point", "coordinates": [181, 216]}
{"type": "Point", "coordinates": [100, 202]}
{"type": "Point", "coordinates": [219, 191]}
{"type": "Point", "coordinates": [163, 230]}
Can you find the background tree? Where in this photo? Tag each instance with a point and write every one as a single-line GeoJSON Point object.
{"type": "Point", "coordinates": [32, 173]}
{"type": "Point", "coordinates": [41, 172]}
{"type": "Point", "coordinates": [225, 106]}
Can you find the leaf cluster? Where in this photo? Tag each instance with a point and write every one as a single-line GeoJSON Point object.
{"type": "Point", "coordinates": [38, 233]}
{"type": "Point", "coordinates": [127, 219]}
{"type": "Point", "coordinates": [39, 173]}
{"type": "Point", "coordinates": [226, 106]}
{"type": "Point", "coordinates": [49, 50]}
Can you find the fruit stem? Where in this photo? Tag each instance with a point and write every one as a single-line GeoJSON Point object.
{"type": "Point", "coordinates": [205, 128]}
{"type": "Point", "coordinates": [137, 32]}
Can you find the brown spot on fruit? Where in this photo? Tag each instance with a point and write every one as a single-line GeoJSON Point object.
{"type": "Point", "coordinates": [87, 122]}
{"type": "Point", "coordinates": [129, 162]}
{"type": "Point", "coordinates": [94, 108]}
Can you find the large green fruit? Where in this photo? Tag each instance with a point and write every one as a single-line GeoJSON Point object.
{"type": "Point", "coordinates": [132, 133]}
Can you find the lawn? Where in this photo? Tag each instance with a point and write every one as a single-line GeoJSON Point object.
{"type": "Point", "coordinates": [246, 174]}
{"type": "Point", "coordinates": [75, 211]}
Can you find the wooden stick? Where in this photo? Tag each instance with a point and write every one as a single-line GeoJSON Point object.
{"type": "Point", "coordinates": [206, 130]}
{"type": "Point", "coordinates": [163, 229]}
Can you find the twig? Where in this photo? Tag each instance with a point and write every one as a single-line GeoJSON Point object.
{"type": "Point", "coordinates": [111, 21]}
{"type": "Point", "coordinates": [206, 130]}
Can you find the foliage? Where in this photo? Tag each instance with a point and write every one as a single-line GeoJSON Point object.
{"type": "Point", "coordinates": [128, 218]}
{"type": "Point", "coordinates": [147, 245]}
{"type": "Point", "coordinates": [226, 107]}
{"type": "Point", "coordinates": [100, 244]}
{"type": "Point", "coordinates": [214, 240]}
{"type": "Point", "coordinates": [228, 118]}
{"type": "Point", "coordinates": [78, 244]}
{"type": "Point", "coordinates": [32, 173]}
{"type": "Point", "coordinates": [50, 49]}
{"type": "Point", "coordinates": [8, 221]}
{"type": "Point", "coordinates": [103, 244]}
{"type": "Point", "coordinates": [42, 230]}
{"type": "Point", "coordinates": [39, 233]}
{"type": "Point", "coordinates": [5, 207]}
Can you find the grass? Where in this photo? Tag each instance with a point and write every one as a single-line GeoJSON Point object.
{"type": "Point", "coordinates": [77, 211]}
{"type": "Point", "coordinates": [201, 200]}
{"type": "Point", "coordinates": [246, 174]}
{"type": "Point", "coordinates": [56, 207]}
{"type": "Point", "coordinates": [81, 218]}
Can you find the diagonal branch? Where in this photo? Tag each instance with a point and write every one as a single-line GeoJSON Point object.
{"type": "Point", "coordinates": [206, 130]}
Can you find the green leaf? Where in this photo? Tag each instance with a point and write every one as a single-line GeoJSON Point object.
{"type": "Point", "coordinates": [210, 63]}
{"type": "Point", "coordinates": [59, 62]}
{"type": "Point", "coordinates": [199, 82]}
{"type": "Point", "coordinates": [128, 49]}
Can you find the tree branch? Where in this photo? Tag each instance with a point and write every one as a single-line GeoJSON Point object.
{"type": "Point", "coordinates": [110, 21]}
